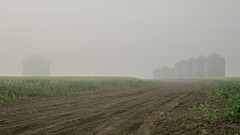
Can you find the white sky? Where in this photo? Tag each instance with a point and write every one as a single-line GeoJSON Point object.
{"type": "Point", "coordinates": [117, 37]}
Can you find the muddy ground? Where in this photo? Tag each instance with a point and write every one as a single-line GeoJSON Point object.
{"type": "Point", "coordinates": [167, 109]}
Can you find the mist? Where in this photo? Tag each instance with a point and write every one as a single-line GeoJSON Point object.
{"type": "Point", "coordinates": [117, 37]}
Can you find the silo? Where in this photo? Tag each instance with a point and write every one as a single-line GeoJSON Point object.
{"type": "Point", "coordinates": [179, 69]}
{"type": "Point", "coordinates": [198, 70]}
{"type": "Point", "coordinates": [156, 73]}
{"type": "Point", "coordinates": [214, 66]}
{"type": "Point", "coordinates": [36, 66]}
{"type": "Point", "coordinates": [166, 72]}
{"type": "Point", "coordinates": [188, 68]}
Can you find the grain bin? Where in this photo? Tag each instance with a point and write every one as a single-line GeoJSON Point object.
{"type": "Point", "coordinates": [214, 66]}
{"type": "Point", "coordinates": [36, 66]}
{"type": "Point", "coordinates": [179, 69]}
{"type": "Point", "coordinates": [198, 66]}
{"type": "Point", "coordinates": [166, 72]}
{"type": "Point", "coordinates": [188, 68]}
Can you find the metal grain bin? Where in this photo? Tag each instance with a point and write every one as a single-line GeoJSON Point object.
{"type": "Point", "coordinates": [166, 72]}
{"type": "Point", "coordinates": [188, 68]}
{"type": "Point", "coordinates": [214, 66]}
{"type": "Point", "coordinates": [198, 67]}
{"type": "Point", "coordinates": [179, 69]}
{"type": "Point", "coordinates": [36, 66]}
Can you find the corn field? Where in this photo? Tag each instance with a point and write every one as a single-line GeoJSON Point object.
{"type": "Point", "coordinates": [23, 87]}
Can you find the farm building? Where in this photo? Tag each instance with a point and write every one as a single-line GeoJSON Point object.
{"type": "Point", "coordinates": [163, 73]}
{"type": "Point", "coordinates": [188, 68]}
{"type": "Point", "coordinates": [210, 66]}
{"type": "Point", "coordinates": [166, 72]}
{"type": "Point", "coordinates": [36, 66]}
{"type": "Point", "coordinates": [214, 66]}
{"type": "Point", "coordinates": [179, 69]}
{"type": "Point", "coordinates": [198, 66]}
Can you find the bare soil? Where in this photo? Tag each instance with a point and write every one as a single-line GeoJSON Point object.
{"type": "Point", "coordinates": [167, 109]}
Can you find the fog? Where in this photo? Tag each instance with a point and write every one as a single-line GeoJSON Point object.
{"type": "Point", "coordinates": [117, 37]}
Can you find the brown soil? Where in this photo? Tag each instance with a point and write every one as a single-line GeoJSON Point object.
{"type": "Point", "coordinates": [163, 110]}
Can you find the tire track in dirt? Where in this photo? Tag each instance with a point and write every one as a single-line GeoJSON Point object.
{"type": "Point", "coordinates": [131, 111]}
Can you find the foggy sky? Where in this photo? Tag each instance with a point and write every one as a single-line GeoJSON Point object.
{"type": "Point", "coordinates": [117, 37]}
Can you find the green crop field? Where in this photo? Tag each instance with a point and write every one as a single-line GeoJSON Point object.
{"type": "Point", "coordinates": [227, 90]}
{"type": "Point", "coordinates": [224, 98]}
{"type": "Point", "coordinates": [226, 95]}
{"type": "Point", "coordinates": [23, 87]}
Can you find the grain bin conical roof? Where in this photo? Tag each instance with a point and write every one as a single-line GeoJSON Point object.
{"type": "Point", "coordinates": [181, 62]}
{"type": "Point", "coordinates": [36, 57]}
{"type": "Point", "coordinates": [190, 60]}
{"type": "Point", "coordinates": [201, 57]}
{"type": "Point", "coordinates": [214, 55]}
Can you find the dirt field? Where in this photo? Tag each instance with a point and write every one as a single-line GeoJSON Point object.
{"type": "Point", "coordinates": [166, 109]}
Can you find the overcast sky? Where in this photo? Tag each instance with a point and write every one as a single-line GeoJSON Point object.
{"type": "Point", "coordinates": [117, 37]}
